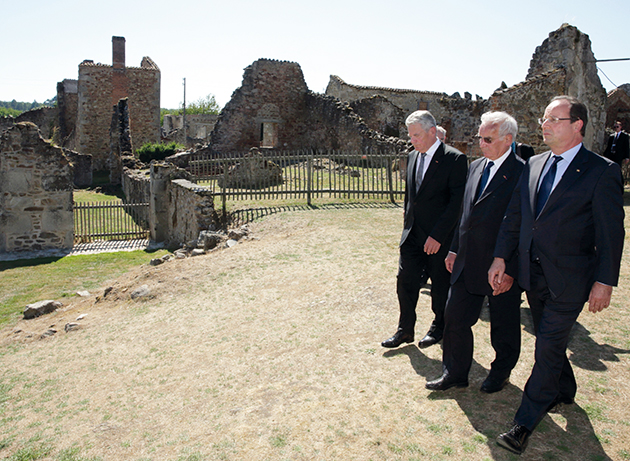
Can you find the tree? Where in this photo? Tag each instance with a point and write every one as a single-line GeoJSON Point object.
{"type": "Point", "coordinates": [207, 105]}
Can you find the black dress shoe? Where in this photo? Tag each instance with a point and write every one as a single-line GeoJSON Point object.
{"type": "Point", "coordinates": [398, 339]}
{"type": "Point", "coordinates": [492, 385]}
{"type": "Point", "coordinates": [558, 402]}
{"type": "Point", "coordinates": [515, 440]}
{"type": "Point", "coordinates": [429, 340]}
{"type": "Point", "coordinates": [445, 382]}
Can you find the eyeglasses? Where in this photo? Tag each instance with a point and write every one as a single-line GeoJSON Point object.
{"type": "Point", "coordinates": [551, 119]}
{"type": "Point", "coordinates": [486, 139]}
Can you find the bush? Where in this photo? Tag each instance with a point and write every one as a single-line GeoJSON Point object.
{"type": "Point", "coordinates": [158, 151]}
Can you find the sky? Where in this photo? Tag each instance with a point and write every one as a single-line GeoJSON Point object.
{"type": "Point", "coordinates": [447, 46]}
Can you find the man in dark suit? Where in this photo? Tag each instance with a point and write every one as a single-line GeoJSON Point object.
{"type": "Point", "coordinates": [618, 148]}
{"type": "Point", "coordinates": [436, 176]}
{"type": "Point", "coordinates": [524, 151]}
{"type": "Point", "coordinates": [489, 187]}
{"type": "Point", "coordinates": [565, 220]}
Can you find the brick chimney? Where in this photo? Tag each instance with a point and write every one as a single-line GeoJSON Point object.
{"type": "Point", "coordinates": [118, 51]}
{"type": "Point", "coordinates": [119, 77]}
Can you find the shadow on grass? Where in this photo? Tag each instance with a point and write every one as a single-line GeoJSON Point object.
{"type": "Point", "coordinates": [585, 352]}
{"type": "Point", "coordinates": [246, 215]}
{"type": "Point", "coordinates": [492, 415]}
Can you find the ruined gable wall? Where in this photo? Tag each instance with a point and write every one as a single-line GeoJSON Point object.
{"type": "Point", "coordinates": [35, 192]}
{"type": "Point", "coordinates": [526, 102]}
{"type": "Point", "coordinates": [271, 92]}
{"type": "Point", "coordinates": [569, 48]}
{"type": "Point", "coordinates": [144, 102]}
{"type": "Point", "coordinates": [96, 98]}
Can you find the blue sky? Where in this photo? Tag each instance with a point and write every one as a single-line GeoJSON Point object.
{"type": "Point", "coordinates": [447, 46]}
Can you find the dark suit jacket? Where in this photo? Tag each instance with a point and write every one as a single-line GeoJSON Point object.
{"type": "Point", "coordinates": [621, 150]}
{"type": "Point", "coordinates": [579, 234]}
{"type": "Point", "coordinates": [524, 151]}
{"type": "Point", "coordinates": [479, 224]}
{"type": "Point", "coordinates": [434, 210]}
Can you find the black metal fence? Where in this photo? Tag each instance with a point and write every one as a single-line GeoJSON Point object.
{"type": "Point", "coordinates": [303, 174]}
{"type": "Point", "coordinates": [110, 221]}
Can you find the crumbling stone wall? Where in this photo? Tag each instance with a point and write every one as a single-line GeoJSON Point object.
{"type": "Point", "coordinates": [527, 101]}
{"type": "Point", "coordinates": [44, 117]}
{"type": "Point", "coordinates": [408, 100]}
{"type": "Point", "coordinates": [198, 128]}
{"type": "Point", "coordinates": [619, 107]}
{"type": "Point", "coordinates": [100, 87]}
{"type": "Point", "coordinates": [381, 115]}
{"type": "Point", "coordinates": [459, 116]}
{"type": "Point", "coordinates": [272, 94]}
{"type": "Point", "coordinates": [191, 210]}
{"type": "Point", "coordinates": [119, 140]}
{"type": "Point", "coordinates": [570, 49]}
{"type": "Point", "coordinates": [67, 105]}
{"type": "Point", "coordinates": [274, 97]}
{"type": "Point", "coordinates": [35, 192]}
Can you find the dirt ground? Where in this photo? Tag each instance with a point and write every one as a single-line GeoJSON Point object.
{"type": "Point", "coordinates": [270, 350]}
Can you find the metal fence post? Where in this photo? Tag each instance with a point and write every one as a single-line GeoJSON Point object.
{"type": "Point", "coordinates": [309, 177]}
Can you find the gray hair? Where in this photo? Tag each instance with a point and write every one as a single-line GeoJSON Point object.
{"type": "Point", "coordinates": [422, 118]}
{"type": "Point", "coordinates": [441, 129]}
{"type": "Point", "coordinates": [506, 123]}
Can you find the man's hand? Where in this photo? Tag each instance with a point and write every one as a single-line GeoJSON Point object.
{"type": "Point", "coordinates": [599, 298]}
{"type": "Point", "coordinates": [496, 275]}
{"type": "Point", "coordinates": [507, 283]}
{"type": "Point", "coordinates": [431, 246]}
{"type": "Point", "coordinates": [450, 261]}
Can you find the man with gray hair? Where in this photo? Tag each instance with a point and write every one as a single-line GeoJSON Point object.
{"type": "Point", "coordinates": [491, 181]}
{"type": "Point", "coordinates": [436, 176]}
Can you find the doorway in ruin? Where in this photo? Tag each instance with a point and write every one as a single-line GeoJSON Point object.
{"type": "Point", "coordinates": [268, 119]}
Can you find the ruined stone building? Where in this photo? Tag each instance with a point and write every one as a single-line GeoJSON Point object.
{"type": "Point", "coordinates": [619, 107]}
{"type": "Point", "coordinates": [274, 108]}
{"type": "Point", "coordinates": [563, 64]}
{"type": "Point", "coordinates": [85, 108]}
{"type": "Point", "coordinates": [35, 192]}
{"type": "Point", "coordinates": [198, 128]}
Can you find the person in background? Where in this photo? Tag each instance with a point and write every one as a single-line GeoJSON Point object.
{"type": "Point", "coordinates": [618, 147]}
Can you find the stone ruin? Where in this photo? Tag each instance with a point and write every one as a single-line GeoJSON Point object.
{"type": "Point", "coordinates": [563, 64]}
{"type": "Point", "coordinates": [35, 192]}
{"type": "Point", "coordinates": [619, 107]}
{"type": "Point", "coordinates": [253, 171]}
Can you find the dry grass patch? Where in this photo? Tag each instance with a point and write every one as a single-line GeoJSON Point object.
{"type": "Point", "coordinates": [271, 350]}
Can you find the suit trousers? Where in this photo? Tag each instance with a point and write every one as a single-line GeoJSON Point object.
{"type": "Point", "coordinates": [462, 312]}
{"type": "Point", "coordinates": [413, 267]}
{"type": "Point", "coordinates": [552, 375]}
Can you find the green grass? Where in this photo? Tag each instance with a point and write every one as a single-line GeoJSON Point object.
{"type": "Point", "coordinates": [27, 281]}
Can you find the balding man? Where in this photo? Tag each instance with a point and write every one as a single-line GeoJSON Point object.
{"type": "Point", "coordinates": [489, 186]}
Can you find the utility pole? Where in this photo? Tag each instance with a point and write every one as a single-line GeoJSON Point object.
{"type": "Point", "coordinates": [185, 111]}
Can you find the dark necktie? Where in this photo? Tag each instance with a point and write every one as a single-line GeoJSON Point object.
{"type": "Point", "coordinates": [546, 185]}
{"type": "Point", "coordinates": [420, 171]}
{"type": "Point", "coordinates": [484, 179]}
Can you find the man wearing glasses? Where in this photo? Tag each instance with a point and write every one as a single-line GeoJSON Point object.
{"type": "Point", "coordinates": [618, 148]}
{"type": "Point", "coordinates": [565, 222]}
{"type": "Point", "coordinates": [491, 181]}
